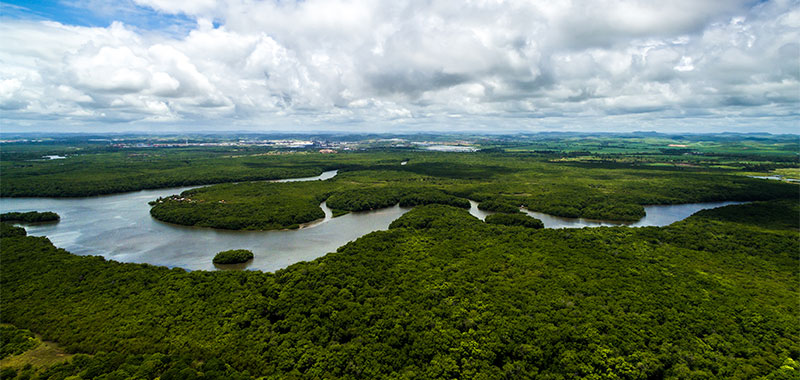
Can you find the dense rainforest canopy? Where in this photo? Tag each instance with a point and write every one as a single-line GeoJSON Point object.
{"type": "Point", "coordinates": [501, 183]}
{"type": "Point", "coordinates": [440, 295]}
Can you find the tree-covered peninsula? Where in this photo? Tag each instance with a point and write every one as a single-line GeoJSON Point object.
{"type": "Point", "coordinates": [439, 295]}
{"type": "Point", "coordinates": [500, 182]}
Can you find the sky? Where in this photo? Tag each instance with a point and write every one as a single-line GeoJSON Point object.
{"type": "Point", "coordinates": [489, 66]}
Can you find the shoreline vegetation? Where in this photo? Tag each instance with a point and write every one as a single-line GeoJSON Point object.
{"type": "Point", "coordinates": [498, 183]}
{"type": "Point", "coordinates": [445, 281]}
{"type": "Point", "coordinates": [29, 217]}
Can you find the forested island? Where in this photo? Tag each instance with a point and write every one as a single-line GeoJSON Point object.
{"type": "Point", "coordinates": [440, 294]}
{"type": "Point", "coordinates": [29, 217]}
{"type": "Point", "coordinates": [233, 256]}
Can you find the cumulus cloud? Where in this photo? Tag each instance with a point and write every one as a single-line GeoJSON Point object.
{"type": "Point", "coordinates": [629, 64]}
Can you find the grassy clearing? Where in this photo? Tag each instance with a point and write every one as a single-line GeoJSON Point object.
{"type": "Point", "coordinates": [42, 355]}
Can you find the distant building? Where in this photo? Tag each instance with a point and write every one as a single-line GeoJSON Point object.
{"type": "Point", "coordinates": [327, 151]}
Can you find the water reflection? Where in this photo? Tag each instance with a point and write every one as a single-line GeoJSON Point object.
{"type": "Point", "coordinates": [239, 266]}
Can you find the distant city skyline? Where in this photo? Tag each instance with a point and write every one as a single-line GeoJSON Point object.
{"type": "Point", "coordinates": [311, 66]}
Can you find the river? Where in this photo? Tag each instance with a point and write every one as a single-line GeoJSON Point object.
{"type": "Point", "coordinates": [655, 215]}
{"type": "Point", "coordinates": [119, 227]}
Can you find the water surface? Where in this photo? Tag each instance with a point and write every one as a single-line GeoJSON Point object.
{"type": "Point", "coordinates": [119, 227]}
{"type": "Point", "coordinates": [655, 215]}
{"type": "Point", "coordinates": [451, 148]}
{"type": "Point", "coordinates": [776, 177]}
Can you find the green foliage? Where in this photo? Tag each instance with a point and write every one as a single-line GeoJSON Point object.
{"type": "Point", "coordinates": [782, 214]}
{"type": "Point", "coordinates": [259, 205]}
{"type": "Point", "coordinates": [233, 256]}
{"type": "Point", "coordinates": [364, 199]}
{"type": "Point", "coordinates": [337, 212]}
{"type": "Point", "coordinates": [119, 171]}
{"type": "Point", "coordinates": [431, 196]}
{"type": "Point", "coordinates": [367, 182]}
{"type": "Point", "coordinates": [543, 177]}
{"type": "Point", "coordinates": [435, 216]}
{"type": "Point", "coordinates": [250, 206]}
{"type": "Point", "coordinates": [8, 230]}
{"type": "Point", "coordinates": [117, 365]}
{"type": "Point", "coordinates": [14, 341]}
{"type": "Point", "coordinates": [8, 373]}
{"type": "Point", "coordinates": [498, 206]}
{"type": "Point", "coordinates": [441, 295]}
{"type": "Point", "coordinates": [515, 220]}
{"type": "Point", "coordinates": [577, 204]}
{"type": "Point", "coordinates": [29, 217]}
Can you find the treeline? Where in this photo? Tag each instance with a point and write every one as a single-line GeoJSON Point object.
{"type": "Point", "coordinates": [363, 199]}
{"type": "Point", "coordinates": [443, 295]}
{"type": "Point", "coordinates": [366, 198]}
{"type": "Point", "coordinates": [498, 206]}
{"type": "Point", "coordinates": [515, 220]}
{"type": "Point", "coordinates": [579, 204]}
{"type": "Point", "coordinates": [29, 217]}
{"type": "Point", "coordinates": [432, 196]}
{"type": "Point", "coordinates": [777, 215]}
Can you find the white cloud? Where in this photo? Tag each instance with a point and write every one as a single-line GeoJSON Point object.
{"type": "Point", "coordinates": [371, 63]}
{"type": "Point", "coordinates": [193, 7]}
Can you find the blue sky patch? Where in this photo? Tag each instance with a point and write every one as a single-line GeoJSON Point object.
{"type": "Point", "coordinates": [94, 13]}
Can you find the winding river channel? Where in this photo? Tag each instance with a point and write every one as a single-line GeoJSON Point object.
{"type": "Point", "coordinates": [119, 227]}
